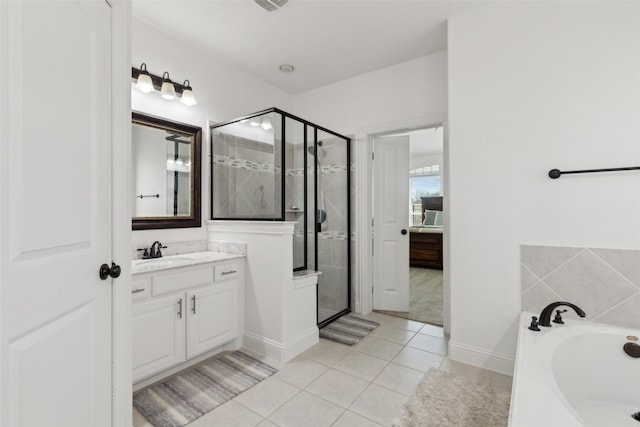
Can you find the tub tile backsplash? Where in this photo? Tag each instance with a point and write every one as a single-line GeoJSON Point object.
{"type": "Point", "coordinates": [605, 283]}
{"type": "Point", "coordinates": [527, 277]}
{"type": "Point", "coordinates": [624, 261]}
{"type": "Point", "coordinates": [542, 260]}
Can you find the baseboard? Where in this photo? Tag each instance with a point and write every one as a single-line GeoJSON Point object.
{"type": "Point", "coordinates": [281, 352]}
{"type": "Point", "coordinates": [480, 357]}
{"type": "Point", "coordinates": [302, 342]}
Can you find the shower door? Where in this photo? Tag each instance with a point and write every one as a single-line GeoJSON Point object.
{"type": "Point", "coordinates": [330, 162]}
{"type": "Point", "coordinates": [273, 166]}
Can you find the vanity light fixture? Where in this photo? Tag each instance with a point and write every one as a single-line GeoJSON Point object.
{"type": "Point", "coordinates": [187, 97]}
{"type": "Point", "coordinates": [168, 91]}
{"type": "Point", "coordinates": [144, 83]}
{"type": "Point", "coordinates": [147, 82]}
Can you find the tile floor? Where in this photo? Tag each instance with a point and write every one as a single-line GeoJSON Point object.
{"type": "Point", "coordinates": [425, 296]}
{"type": "Point", "coordinates": [333, 384]}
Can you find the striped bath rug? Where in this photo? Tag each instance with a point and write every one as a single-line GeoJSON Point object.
{"type": "Point", "coordinates": [348, 329]}
{"type": "Point", "coordinates": [190, 394]}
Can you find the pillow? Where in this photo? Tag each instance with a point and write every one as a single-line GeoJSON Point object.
{"type": "Point", "coordinates": [438, 222]}
{"type": "Point", "coordinates": [432, 218]}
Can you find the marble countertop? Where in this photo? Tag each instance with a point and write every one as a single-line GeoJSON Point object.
{"type": "Point", "coordinates": [181, 260]}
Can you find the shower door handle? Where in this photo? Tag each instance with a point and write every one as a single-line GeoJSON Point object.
{"type": "Point", "coordinates": [403, 231]}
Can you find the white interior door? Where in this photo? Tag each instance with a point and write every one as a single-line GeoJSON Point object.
{"type": "Point", "coordinates": [391, 221]}
{"type": "Point", "coordinates": [55, 213]}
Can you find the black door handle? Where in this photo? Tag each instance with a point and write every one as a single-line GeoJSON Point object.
{"type": "Point", "coordinates": [106, 271]}
{"type": "Point", "coordinates": [403, 231]}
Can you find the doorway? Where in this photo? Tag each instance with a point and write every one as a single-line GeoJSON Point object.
{"type": "Point", "coordinates": [413, 258]}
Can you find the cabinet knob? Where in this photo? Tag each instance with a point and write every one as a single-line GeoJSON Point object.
{"type": "Point", "coordinates": [403, 231]}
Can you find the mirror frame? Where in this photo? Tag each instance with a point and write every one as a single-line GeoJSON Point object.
{"type": "Point", "coordinates": [194, 220]}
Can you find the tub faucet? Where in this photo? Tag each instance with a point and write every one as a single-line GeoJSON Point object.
{"type": "Point", "coordinates": [545, 316]}
{"type": "Point", "coordinates": [154, 252]}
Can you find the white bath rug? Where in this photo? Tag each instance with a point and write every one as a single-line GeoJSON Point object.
{"type": "Point", "coordinates": [190, 394]}
{"type": "Point", "coordinates": [348, 329]}
{"type": "Point", "coordinates": [444, 399]}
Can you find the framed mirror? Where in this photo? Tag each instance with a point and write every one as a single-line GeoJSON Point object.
{"type": "Point", "coordinates": [166, 173]}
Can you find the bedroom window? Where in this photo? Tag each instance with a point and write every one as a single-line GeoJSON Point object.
{"type": "Point", "coordinates": [423, 182]}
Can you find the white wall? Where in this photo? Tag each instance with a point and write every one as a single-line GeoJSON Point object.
{"type": "Point", "coordinates": [536, 86]}
{"type": "Point", "coordinates": [407, 91]}
{"type": "Point", "coordinates": [222, 91]}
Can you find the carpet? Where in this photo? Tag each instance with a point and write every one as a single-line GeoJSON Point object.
{"type": "Point", "coordinates": [443, 399]}
{"type": "Point", "coordinates": [425, 297]}
{"type": "Point", "coordinates": [192, 393]}
{"type": "Point", "coordinates": [348, 329]}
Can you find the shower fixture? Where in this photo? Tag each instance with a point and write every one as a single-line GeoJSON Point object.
{"type": "Point", "coordinates": [321, 213]}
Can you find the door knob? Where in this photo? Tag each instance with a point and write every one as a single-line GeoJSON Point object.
{"type": "Point", "coordinates": [403, 231]}
{"type": "Point", "coordinates": [106, 271]}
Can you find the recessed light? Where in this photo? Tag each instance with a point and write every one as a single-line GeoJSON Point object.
{"type": "Point", "coordinates": [287, 68]}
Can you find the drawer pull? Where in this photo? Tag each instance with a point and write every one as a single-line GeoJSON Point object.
{"type": "Point", "coordinates": [137, 291]}
{"type": "Point", "coordinates": [224, 273]}
{"type": "Point", "coordinates": [180, 308]}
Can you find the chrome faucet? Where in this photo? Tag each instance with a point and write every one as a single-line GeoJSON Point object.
{"type": "Point", "coordinates": [154, 252]}
{"type": "Point", "coordinates": [545, 315]}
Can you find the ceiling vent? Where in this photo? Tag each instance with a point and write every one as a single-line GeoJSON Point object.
{"type": "Point", "coordinates": [270, 5]}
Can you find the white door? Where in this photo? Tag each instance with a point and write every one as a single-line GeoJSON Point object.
{"type": "Point", "coordinates": [55, 213]}
{"type": "Point", "coordinates": [391, 220]}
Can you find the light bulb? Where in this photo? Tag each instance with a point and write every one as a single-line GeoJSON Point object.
{"type": "Point", "coordinates": [254, 121]}
{"type": "Point", "coordinates": [266, 123]}
{"type": "Point", "coordinates": [187, 95]}
{"type": "Point", "coordinates": [168, 91]}
{"type": "Point", "coordinates": [179, 161]}
{"type": "Point", "coordinates": [144, 82]}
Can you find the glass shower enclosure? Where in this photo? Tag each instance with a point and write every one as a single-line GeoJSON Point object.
{"type": "Point", "coordinates": [274, 166]}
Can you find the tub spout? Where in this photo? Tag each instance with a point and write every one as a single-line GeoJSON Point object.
{"type": "Point", "coordinates": [545, 316]}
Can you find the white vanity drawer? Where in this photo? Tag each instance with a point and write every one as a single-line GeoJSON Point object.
{"type": "Point", "coordinates": [140, 289]}
{"type": "Point", "coordinates": [227, 271]}
{"type": "Point", "coordinates": [167, 283]}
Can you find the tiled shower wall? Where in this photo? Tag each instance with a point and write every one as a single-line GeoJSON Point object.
{"type": "Point", "coordinates": [246, 181]}
{"type": "Point", "coordinates": [605, 283]}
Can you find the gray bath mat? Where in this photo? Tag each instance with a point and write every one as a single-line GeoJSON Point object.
{"type": "Point", "coordinates": [190, 394]}
{"type": "Point", "coordinates": [443, 399]}
{"type": "Point", "coordinates": [348, 329]}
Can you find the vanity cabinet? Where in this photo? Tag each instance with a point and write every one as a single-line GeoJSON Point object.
{"type": "Point", "coordinates": [210, 322]}
{"type": "Point", "coordinates": [180, 314]}
{"type": "Point", "coordinates": [158, 335]}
